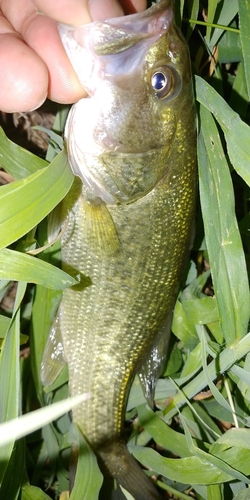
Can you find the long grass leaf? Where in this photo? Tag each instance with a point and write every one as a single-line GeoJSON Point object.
{"type": "Point", "coordinates": [189, 470]}
{"type": "Point", "coordinates": [88, 478]}
{"type": "Point", "coordinates": [220, 364]}
{"type": "Point", "coordinates": [4, 325]}
{"type": "Point", "coordinates": [244, 19]}
{"type": "Point", "coordinates": [212, 6]}
{"type": "Point", "coordinates": [214, 492]}
{"type": "Point", "coordinates": [10, 384]}
{"type": "Point", "coordinates": [20, 427]}
{"type": "Point", "coordinates": [216, 393]}
{"type": "Point", "coordinates": [11, 485]}
{"type": "Point", "coordinates": [23, 204]}
{"type": "Point", "coordinates": [30, 492]}
{"type": "Point", "coordinates": [234, 448]}
{"type": "Point", "coordinates": [212, 430]}
{"type": "Point", "coordinates": [162, 433]}
{"type": "Point", "coordinates": [226, 255]}
{"type": "Point", "coordinates": [16, 160]}
{"type": "Point", "coordinates": [242, 495]}
{"type": "Point", "coordinates": [228, 10]}
{"type": "Point", "coordinates": [193, 11]}
{"type": "Point", "coordinates": [215, 461]}
{"type": "Point", "coordinates": [22, 267]}
{"type": "Point", "coordinates": [237, 133]}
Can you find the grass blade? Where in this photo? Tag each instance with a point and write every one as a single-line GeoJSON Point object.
{"type": "Point", "coordinates": [11, 485]}
{"type": "Point", "coordinates": [214, 461]}
{"type": "Point", "coordinates": [220, 364]}
{"type": "Point", "coordinates": [19, 266]}
{"type": "Point", "coordinates": [232, 126]}
{"type": "Point", "coordinates": [20, 427]}
{"type": "Point", "coordinates": [88, 478]}
{"type": "Point", "coordinates": [17, 161]}
{"type": "Point", "coordinates": [23, 204]}
{"type": "Point", "coordinates": [214, 492]}
{"type": "Point", "coordinates": [33, 493]}
{"type": "Point", "coordinates": [189, 470]}
{"type": "Point", "coordinates": [244, 17]}
{"type": "Point", "coordinates": [10, 385]}
{"type": "Point", "coordinates": [227, 261]}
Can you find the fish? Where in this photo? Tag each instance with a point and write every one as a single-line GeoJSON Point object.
{"type": "Point", "coordinates": [132, 147]}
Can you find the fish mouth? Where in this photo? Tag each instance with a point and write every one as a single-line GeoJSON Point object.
{"type": "Point", "coordinates": [120, 33]}
{"type": "Point", "coordinates": [106, 48]}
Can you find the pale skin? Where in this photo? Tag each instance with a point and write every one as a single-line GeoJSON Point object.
{"type": "Point", "coordinates": [33, 63]}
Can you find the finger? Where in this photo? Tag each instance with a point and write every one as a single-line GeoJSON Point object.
{"type": "Point", "coordinates": [23, 76]}
{"type": "Point", "coordinates": [132, 6]}
{"type": "Point", "coordinates": [84, 11]}
{"type": "Point", "coordinates": [65, 11]}
{"type": "Point", "coordinates": [100, 10]}
{"type": "Point", "coordinates": [41, 34]}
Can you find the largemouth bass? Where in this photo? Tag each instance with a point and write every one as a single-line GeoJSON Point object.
{"type": "Point", "coordinates": [133, 145]}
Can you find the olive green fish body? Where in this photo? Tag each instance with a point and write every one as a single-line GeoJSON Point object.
{"type": "Point", "coordinates": [129, 229]}
{"type": "Point", "coordinates": [112, 324]}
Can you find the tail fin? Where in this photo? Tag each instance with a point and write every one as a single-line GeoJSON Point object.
{"type": "Point", "coordinates": [123, 467]}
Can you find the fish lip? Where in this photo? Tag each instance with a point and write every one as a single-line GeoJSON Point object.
{"type": "Point", "coordinates": [90, 45]}
{"type": "Point", "coordinates": [135, 27]}
{"type": "Point", "coordinates": [129, 29]}
{"type": "Point", "coordinates": [158, 6]}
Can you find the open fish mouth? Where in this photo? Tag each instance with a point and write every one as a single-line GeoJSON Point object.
{"type": "Point", "coordinates": [96, 50]}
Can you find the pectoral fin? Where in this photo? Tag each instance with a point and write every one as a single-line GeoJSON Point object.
{"type": "Point", "coordinates": [99, 228]}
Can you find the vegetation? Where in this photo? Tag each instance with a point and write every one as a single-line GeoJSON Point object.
{"type": "Point", "coordinates": [199, 436]}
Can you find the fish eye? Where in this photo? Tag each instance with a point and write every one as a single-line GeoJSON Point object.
{"type": "Point", "coordinates": [164, 81]}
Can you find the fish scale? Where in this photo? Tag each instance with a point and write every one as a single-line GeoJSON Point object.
{"type": "Point", "coordinates": [130, 221]}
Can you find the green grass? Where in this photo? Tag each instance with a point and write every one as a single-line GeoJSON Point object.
{"type": "Point", "coordinates": [201, 426]}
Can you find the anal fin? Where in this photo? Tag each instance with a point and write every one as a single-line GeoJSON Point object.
{"type": "Point", "coordinates": [154, 363]}
{"type": "Point", "coordinates": [53, 357]}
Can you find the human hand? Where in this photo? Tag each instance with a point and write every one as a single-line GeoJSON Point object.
{"type": "Point", "coordinates": [33, 63]}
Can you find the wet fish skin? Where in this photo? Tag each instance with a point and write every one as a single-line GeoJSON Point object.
{"type": "Point", "coordinates": [129, 229]}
